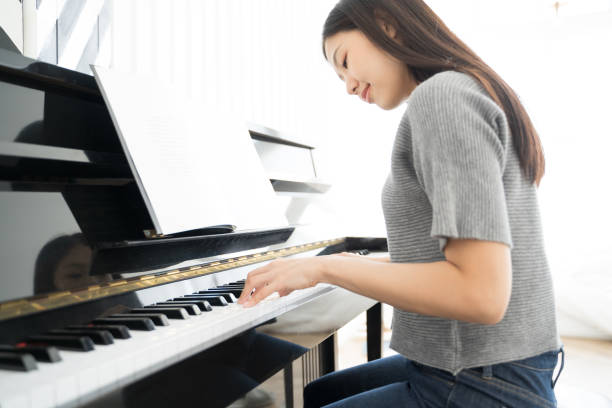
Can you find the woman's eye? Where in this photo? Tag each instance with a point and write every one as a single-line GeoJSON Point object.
{"type": "Point", "coordinates": [344, 64]}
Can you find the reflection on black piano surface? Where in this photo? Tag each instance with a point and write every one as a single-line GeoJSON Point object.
{"type": "Point", "coordinates": [89, 303]}
{"type": "Point", "coordinates": [63, 264]}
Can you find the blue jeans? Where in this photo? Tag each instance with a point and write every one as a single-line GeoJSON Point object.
{"type": "Point", "coordinates": [398, 382]}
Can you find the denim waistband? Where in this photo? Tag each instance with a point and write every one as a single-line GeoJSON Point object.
{"type": "Point", "coordinates": [487, 371]}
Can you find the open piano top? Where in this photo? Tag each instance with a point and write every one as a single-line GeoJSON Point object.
{"type": "Point", "coordinates": [90, 300]}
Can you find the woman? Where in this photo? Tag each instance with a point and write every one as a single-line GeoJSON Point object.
{"type": "Point", "coordinates": [474, 320]}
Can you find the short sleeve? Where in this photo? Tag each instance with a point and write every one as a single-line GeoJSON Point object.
{"type": "Point", "coordinates": [459, 156]}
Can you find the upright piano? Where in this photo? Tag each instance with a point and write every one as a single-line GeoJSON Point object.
{"type": "Point", "coordinates": [94, 303]}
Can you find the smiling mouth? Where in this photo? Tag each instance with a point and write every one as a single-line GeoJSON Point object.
{"type": "Point", "coordinates": [365, 94]}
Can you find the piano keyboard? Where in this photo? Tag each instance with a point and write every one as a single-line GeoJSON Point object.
{"type": "Point", "coordinates": [171, 331]}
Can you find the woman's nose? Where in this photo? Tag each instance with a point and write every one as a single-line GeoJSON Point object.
{"type": "Point", "coordinates": [351, 85]}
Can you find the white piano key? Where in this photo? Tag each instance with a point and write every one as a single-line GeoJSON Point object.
{"type": "Point", "coordinates": [15, 400]}
{"type": "Point", "coordinates": [66, 391]}
{"type": "Point", "coordinates": [125, 368]}
{"type": "Point", "coordinates": [87, 382]}
{"type": "Point", "coordinates": [42, 396]}
{"type": "Point", "coordinates": [107, 373]}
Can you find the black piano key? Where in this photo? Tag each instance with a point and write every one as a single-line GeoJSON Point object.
{"type": "Point", "coordinates": [229, 288]}
{"type": "Point", "coordinates": [17, 362]}
{"type": "Point", "coordinates": [98, 336]}
{"type": "Point", "coordinates": [41, 353]}
{"type": "Point", "coordinates": [202, 304]}
{"type": "Point", "coordinates": [170, 312]}
{"type": "Point", "coordinates": [64, 342]}
{"type": "Point", "coordinates": [234, 291]}
{"type": "Point", "coordinates": [229, 297]}
{"type": "Point", "coordinates": [231, 285]}
{"type": "Point", "coordinates": [118, 331]}
{"type": "Point", "coordinates": [157, 318]}
{"type": "Point", "coordinates": [189, 308]}
{"type": "Point", "coordinates": [132, 322]}
{"type": "Point", "coordinates": [213, 300]}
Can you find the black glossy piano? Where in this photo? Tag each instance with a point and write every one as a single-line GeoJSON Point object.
{"type": "Point", "coordinates": [95, 307]}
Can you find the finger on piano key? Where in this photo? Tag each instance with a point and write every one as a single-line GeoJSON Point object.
{"type": "Point", "coordinates": [48, 354]}
{"type": "Point", "coordinates": [132, 322]}
{"type": "Point", "coordinates": [97, 336]}
{"type": "Point", "coordinates": [170, 312]}
{"type": "Point", "coordinates": [118, 331]}
{"type": "Point", "coordinates": [64, 342]}
{"type": "Point", "coordinates": [17, 362]}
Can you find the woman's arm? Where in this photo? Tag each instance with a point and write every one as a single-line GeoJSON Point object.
{"type": "Point", "coordinates": [473, 284]}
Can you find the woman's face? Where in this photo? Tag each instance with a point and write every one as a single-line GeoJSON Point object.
{"type": "Point", "coordinates": [369, 72]}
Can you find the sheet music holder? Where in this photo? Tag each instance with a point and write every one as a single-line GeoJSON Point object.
{"type": "Point", "coordinates": [195, 167]}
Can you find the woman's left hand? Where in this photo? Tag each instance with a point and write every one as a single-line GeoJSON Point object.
{"type": "Point", "coordinates": [282, 276]}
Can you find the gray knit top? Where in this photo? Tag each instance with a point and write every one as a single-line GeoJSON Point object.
{"type": "Point", "coordinates": [455, 174]}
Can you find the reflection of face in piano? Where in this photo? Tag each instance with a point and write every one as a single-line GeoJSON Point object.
{"type": "Point", "coordinates": [63, 264]}
{"type": "Point", "coordinates": [72, 270]}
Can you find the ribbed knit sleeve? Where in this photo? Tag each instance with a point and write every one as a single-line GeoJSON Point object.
{"type": "Point", "coordinates": [459, 159]}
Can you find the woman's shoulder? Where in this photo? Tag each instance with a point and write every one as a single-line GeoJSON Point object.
{"type": "Point", "coordinates": [449, 78]}
{"type": "Point", "coordinates": [449, 89]}
{"type": "Point", "coordinates": [446, 83]}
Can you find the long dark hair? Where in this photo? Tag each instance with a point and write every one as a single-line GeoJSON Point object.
{"type": "Point", "coordinates": [428, 47]}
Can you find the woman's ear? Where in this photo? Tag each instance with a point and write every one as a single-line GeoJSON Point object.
{"type": "Point", "coordinates": [388, 24]}
{"type": "Point", "coordinates": [388, 28]}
